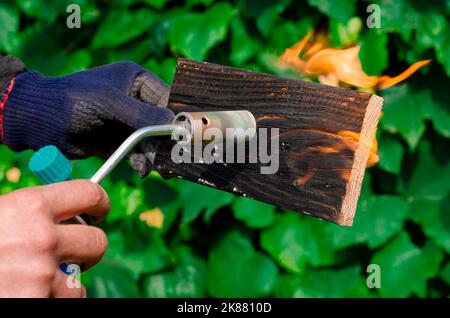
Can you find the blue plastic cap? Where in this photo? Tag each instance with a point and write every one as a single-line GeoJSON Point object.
{"type": "Point", "coordinates": [50, 165]}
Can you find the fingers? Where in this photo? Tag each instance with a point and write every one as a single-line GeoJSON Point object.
{"type": "Point", "coordinates": [67, 286]}
{"type": "Point", "coordinates": [150, 89]}
{"type": "Point", "coordinates": [75, 197]}
{"type": "Point", "coordinates": [140, 163]}
{"type": "Point", "coordinates": [138, 114]}
{"type": "Point", "coordinates": [80, 244]}
{"type": "Point", "coordinates": [64, 200]}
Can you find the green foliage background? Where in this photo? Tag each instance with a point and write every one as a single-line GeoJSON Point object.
{"type": "Point", "coordinates": [216, 244]}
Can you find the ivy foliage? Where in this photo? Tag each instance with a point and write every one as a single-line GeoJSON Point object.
{"type": "Point", "coordinates": [198, 241]}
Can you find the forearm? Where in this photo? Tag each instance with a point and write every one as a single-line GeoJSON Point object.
{"type": "Point", "coordinates": [10, 66]}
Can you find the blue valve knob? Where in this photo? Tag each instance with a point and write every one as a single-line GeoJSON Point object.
{"type": "Point", "coordinates": [50, 165]}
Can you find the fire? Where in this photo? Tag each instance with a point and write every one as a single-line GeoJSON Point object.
{"type": "Point", "coordinates": [335, 66]}
{"type": "Point", "coordinates": [351, 140]}
{"type": "Point", "coordinates": [340, 66]}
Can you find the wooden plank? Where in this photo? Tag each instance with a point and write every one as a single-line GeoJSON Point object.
{"type": "Point", "coordinates": [321, 165]}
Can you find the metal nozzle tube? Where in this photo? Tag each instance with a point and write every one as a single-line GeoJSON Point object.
{"type": "Point", "coordinates": [192, 124]}
{"type": "Point", "coordinates": [241, 121]}
{"type": "Point", "coordinates": [128, 145]}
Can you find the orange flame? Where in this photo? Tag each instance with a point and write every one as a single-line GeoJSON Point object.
{"type": "Point", "coordinates": [333, 66]}
{"type": "Point", "coordinates": [351, 140]}
{"type": "Point", "coordinates": [336, 66]}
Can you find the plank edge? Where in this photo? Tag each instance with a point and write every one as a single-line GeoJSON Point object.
{"type": "Point", "coordinates": [368, 131]}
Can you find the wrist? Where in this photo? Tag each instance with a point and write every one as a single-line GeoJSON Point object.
{"type": "Point", "coordinates": [34, 113]}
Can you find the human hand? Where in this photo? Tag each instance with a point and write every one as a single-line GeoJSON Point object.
{"type": "Point", "coordinates": [85, 113]}
{"type": "Point", "coordinates": [33, 243]}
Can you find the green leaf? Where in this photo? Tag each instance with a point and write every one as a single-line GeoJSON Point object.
{"type": "Point", "coordinates": [83, 169]}
{"type": "Point", "coordinates": [125, 201]}
{"type": "Point", "coordinates": [158, 36]}
{"type": "Point", "coordinates": [439, 113]}
{"type": "Point", "coordinates": [374, 52]}
{"type": "Point", "coordinates": [90, 13]}
{"type": "Point", "coordinates": [164, 70]}
{"type": "Point", "coordinates": [253, 213]}
{"type": "Point", "coordinates": [186, 279]}
{"type": "Point", "coordinates": [158, 4]}
{"type": "Point", "coordinates": [267, 19]}
{"type": "Point", "coordinates": [404, 114]}
{"type": "Point", "coordinates": [189, 36]}
{"type": "Point", "coordinates": [405, 268]}
{"type": "Point", "coordinates": [390, 151]}
{"type": "Point", "coordinates": [434, 217]}
{"type": "Point", "coordinates": [377, 219]}
{"type": "Point", "coordinates": [38, 48]}
{"type": "Point", "coordinates": [345, 282]}
{"type": "Point", "coordinates": [295, 241]}
{"type": "Point", "coordinates": [130, 52]}
{"type": "Point", "coordinates": [345, 34]}
{"type": "Point", "coordinates": [430, 176]}
{"type": "Point", "coordinates": [7, 155]}
{"type": "Point", "coordinates": [151, 257]}
{"type": "Point", "coordinates": [77, 61]}
{"type": "Point", "coordinates": [123, 3]}
{"type": "Point", "coordinates": [292, 32]}
{"type": "Point", "coordinates": [445, 273]}
{"type": "Point", "coordinates": [431, 28]}
{"type": "Point", "coordinates": [111, 34]}
{"type": "Point", "coordinates": [254, 9]}
{"type": "Point", "coordinates": [44, 10]}
{"type": "Point", "coordinates": [193, 3]}
{"type": "Point", "coordinates": [243, 47]}
{"type": "Point", "coordinates": [109, 279]}
{"type": "Point", "coordinates": [399, 16]}
{"type": "Point", "coordinates": [221, 199]}
{"type": "Point", "coordinates": [442, 49]}
{"type": "Point", "coordinates": [6, 162]}
{"type": "Point", "coordinates": [436, 106]}
{"type": "Point", "coordinates": [201, 198]}
{"type": "Point", "coordinates": [235, 269]}
{"type": "Point", "coordinates": [342, 10]}
{"type": "Point", "coordinates": [9, 25]}
{"type": "Point", "coordinates": [159, 194]}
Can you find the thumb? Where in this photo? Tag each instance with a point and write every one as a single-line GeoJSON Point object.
{"type": "Point", "coordinates": [150, 89]}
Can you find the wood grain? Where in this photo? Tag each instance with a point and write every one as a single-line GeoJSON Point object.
{"type": "Point", "coordinates": [320, 170]}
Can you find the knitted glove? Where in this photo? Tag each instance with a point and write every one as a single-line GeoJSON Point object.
{"type": "Point", "coordinates": [85, 113]}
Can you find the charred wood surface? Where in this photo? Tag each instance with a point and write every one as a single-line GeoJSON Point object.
{"type": "Point", "coordinates": [321, 163]}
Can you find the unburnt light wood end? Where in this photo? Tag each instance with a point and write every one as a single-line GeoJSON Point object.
{"type": "Point", "coordinates": [367, 135]}
{"type": "Point", "coordinates": [325, 137]}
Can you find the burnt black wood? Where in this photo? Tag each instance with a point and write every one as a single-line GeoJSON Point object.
{"type": "Point", "coordinates": [309, 117]}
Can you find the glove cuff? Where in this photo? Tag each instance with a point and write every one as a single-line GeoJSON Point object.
{"type": "Point", "coordinates": [35, 113]}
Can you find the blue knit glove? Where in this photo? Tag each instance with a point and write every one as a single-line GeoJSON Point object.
{"type": "Point", "coordinates": [86, 113]}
